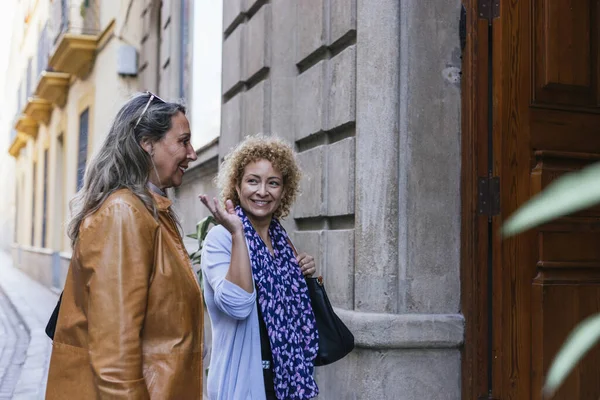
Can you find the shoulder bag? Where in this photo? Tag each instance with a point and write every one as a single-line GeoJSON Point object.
{"type": "Point", "coordinates": [335, 339]}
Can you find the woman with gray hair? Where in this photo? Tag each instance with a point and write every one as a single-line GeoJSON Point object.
{"type": "Point", "coordinates": [131, 317]}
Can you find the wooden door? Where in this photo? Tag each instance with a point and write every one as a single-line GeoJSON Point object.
{"type": "Point", "coordinates": [546, 91]}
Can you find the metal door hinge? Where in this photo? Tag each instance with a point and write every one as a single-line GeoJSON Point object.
{"type": "Point", "coordinates": [488, 9]}
{"type": "Point", "coordinates": [488, 202]}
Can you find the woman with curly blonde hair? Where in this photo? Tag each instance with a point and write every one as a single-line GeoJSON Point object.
{"type": "Point", "coordinates": [264, 330]}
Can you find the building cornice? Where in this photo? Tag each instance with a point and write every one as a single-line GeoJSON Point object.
{"type": "Point", "coordinates": [75, 54]}
{"type": "Point", "coordinates": [27, 125]}
{"type": "Point", "coordinates": [53, 87]}
{"type": "Point", "coordinates": [39, 109]}
{"type": "Point", "coordinates": [19, 141]}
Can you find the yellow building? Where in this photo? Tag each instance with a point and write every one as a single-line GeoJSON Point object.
{"type": "Point", "coordinates": [73, 63]}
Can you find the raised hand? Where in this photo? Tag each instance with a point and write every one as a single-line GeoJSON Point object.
{"type": "Point", "coordinates": [226, 217]}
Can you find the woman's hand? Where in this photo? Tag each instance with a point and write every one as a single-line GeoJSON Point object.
{"type": "Point", "coordinates": [227, 217]}
{"type": "Point", "coordinates": [307, 264]}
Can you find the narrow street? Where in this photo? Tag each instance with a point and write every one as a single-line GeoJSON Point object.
{"type": "Point", "coordinates": [25, 306]}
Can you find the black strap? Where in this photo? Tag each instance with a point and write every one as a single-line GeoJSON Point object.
{"type": "Point", "coordinates": [265, 351]}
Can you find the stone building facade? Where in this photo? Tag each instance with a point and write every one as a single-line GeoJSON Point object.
{"type": "Point", "coordinates": [69, 78]}
{"type": "Point", "coordinates": [368, 91]}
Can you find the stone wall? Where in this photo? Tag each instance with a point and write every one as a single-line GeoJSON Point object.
{"type": "Point", "coordinates": [35, 262]}
{"type": "Point", "coordinates": [198, 179]}
{"type": "Point", "coordinates": [368, 91]}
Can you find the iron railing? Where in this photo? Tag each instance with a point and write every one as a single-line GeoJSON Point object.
{"type": "Point", "coordinates": [43, 51]}
{"type": "Point", "coordinates": [80, 17]}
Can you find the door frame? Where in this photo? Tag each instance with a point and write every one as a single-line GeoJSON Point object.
{"type": "Point", "coordinates": [480, 124]}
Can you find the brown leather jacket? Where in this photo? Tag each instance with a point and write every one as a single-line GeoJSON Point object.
{"type": "Point", "coordinates": [131, 318]}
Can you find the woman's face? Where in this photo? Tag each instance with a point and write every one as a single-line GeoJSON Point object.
{"type": "Point", "coordinates": [260, 190]}
{"type": "Point", "coordinates": [172, 154]}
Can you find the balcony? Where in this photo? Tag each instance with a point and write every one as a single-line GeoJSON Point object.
{"type": "Point", "coordinates": [18, 140]}
{"type": "Point", "coordinates": [53, 87]}
{"type": "Point", "coordinates": [38, 109]}
{"type": "Point", "coordinates": [74, 31]}
{"type": "Point", "coordinates": [27, 126]}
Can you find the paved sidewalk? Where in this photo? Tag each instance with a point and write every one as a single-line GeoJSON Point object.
{"type": "Point", "coordinates": [30, 307]}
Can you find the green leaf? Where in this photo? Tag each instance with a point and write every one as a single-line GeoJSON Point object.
{"type": "Point", "coordinates": [203, 225]}
{"type": "Point", "coordinates": [193, 235]}
{"type": "Point", "coordinates": [579, 342]}
{"type": "Point", "coordinates": [570, 193]}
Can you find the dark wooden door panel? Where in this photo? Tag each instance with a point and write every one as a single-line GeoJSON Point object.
{"type": "Point", "coordinates": [560, 300]}
{"type": "Point", "coordinates": [566, 52]}
{"type": "Point", "coordinates": [568, 130]}
{"type": "Point", "coordinates": [547, 123]}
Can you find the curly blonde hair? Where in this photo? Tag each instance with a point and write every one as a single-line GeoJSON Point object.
{"type": "Point", "coordinates": [259, 147]}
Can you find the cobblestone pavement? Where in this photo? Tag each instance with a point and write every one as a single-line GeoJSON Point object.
{"type": "Point", "coordinates": [25, 306]}
{"type": "Point", "coordinates": [14, 340]}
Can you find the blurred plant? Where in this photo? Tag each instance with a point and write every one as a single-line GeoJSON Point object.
{"type": "Point", "coordinates": [570, 193]}
{"type": "Point", "coordinates": [200, 235]}
{"type": "Point", "coordinates": [196, 256]}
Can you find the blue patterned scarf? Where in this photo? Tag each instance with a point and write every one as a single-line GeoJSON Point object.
{"type": "Point", "coordinates": [285, 305]}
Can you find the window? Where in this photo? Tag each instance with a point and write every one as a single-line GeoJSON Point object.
{"type": "Point", "coordinates": [17, 209]}
{"type": "Point", "coordinates": [45, 203]}
{"type": "Point", "coordinates": [43, 50]}
{"type": "Point", "coordinates": [83, 146]}
{"type": "Point", "coordinates": [28, 78]}
{"type": "Point", "coordinates": [186, 51]}
{"type": "Point", "coordinates": [19, 100]}
{"type": "Point", "coordinates": [33, 206]}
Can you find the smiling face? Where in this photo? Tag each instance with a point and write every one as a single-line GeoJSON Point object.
{"type": "Point", "coordinates": [172, 154]}
{"type": "Point", "coordinates": [260, 190]}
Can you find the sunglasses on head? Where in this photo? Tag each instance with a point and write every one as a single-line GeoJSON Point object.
{"type": "Point", "coordinates": [152, 97]}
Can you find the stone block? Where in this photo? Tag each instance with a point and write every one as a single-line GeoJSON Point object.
{"type": "Point", "coordinates": [311, 28]}
{"type": "Point", "coordinates": [339, 271]}
{"type": "Point", "coordinates": [231, 125]}
{"type": "Point", "coordinates": [342, 88]}
{"type": "Point", "coordinates": [282, 107]}
{"type": "Point", "coordinates": [232, 12]}
{"type": "Point", "coordinates": [309, 113]}
{"type": "Point", "coordinates": [256, 109]}
{"type": "Point", "coordinates": [233, 59]}
{"type": "Point", "coordinates": [340, 177]}
{"type": "Point", "coordinates": [165, 46]}
{"type": "Point", "coordinates": [198, 180]}
{"type": "Point", "coordinates": [411, 374]}
{"type": "Point", "coordinates": [313, 243]}
{"type": "Point", "coordinates": [311, 202]}
{"type": "Point", "coordinates": [257, 42]}
{"type": "Point", "coordinates": [252, 5]}
{"type": "Point", "coordinates": [342, 18]}
{"type": "Point", "coordinates": [283, 39]}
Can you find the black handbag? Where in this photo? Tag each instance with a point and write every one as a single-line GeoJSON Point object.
{"type": "Point", "coordinates": [51, 325]}
{"type": "Point", "coordinates": [335, 339]}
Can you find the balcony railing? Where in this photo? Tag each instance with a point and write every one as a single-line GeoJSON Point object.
{"type": "Point", "coordinates": [80, 17]}
{"type": "Point", "coordinates": [74, 31]}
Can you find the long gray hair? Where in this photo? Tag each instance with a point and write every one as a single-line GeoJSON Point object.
{"type": "Point", "coordinates": [121, 162]}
